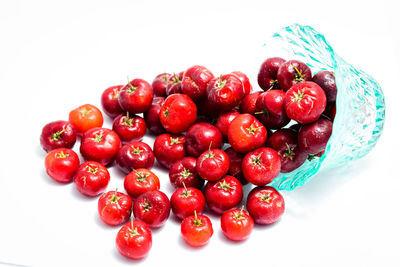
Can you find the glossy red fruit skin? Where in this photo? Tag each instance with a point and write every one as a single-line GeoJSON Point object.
{"type": "Point", "coordinates": [152, 207]}
{"type": "Point", "coordinates": [136, 96]}
{"type": "Point", "coordinates": [184, 171]}
{"type": "Point", "coordinates": [200, 136]}
{"type": "Point", "coordinates": [212, 164]}
{"type": "Point", "coordinates": [314, 137]}
{"type": "Point", "coordinates": [225, 92]}
{"type": "Point", "coordinates": [114, 208]}
{"type": "Point", "coordinates": [245, 80]}
{"type": "Point", "coordinates": [184, 201]}
{"type": "Point", "coordinates": [237, 224]}
{"type": "Point", "coordinates": [169, 148]}
{"type": "Point", "coordinates": [207, 109]}
{"type": "Point", "coordinates": [174, 85]}
{"type": "Point", "coordinates": [265, 205]}
{"type": "Point", "coordinates": [224, 120]}
{"type": "Point", "coordinates": [246, 133]}
{"type": "Point", "coordinates": [109, 101]}
{"type": "Point", "coordinates": [140, 181]}
{"type": "Point", "coordinates": [61, 164]}
{"type": "Point", "coordinates": [235, 165]}
{"type": "Point", "coordinates": [288, 75]}
{"type": "Point", "coordinates": [284, 141]}
{"type": "Point", "coordinates": [57, 134]}
{"type": "Point", "coordinates": [91, 178]}
{"type": "Point", "coordinates": [196, 230]}
{"type": "Point", "coordinates": [134, 240]}
{"type": "Point", "coordinates": [248, 103]}
{"type": "Point", "coordinates": [178, 113]}
{"type": "Point", "coordinates": [101, 145]}
{"type": "Point", "coordinates": [326, 80]}
{"type": "Point", "coordinates": [85, 117]}
{"type": "Point", "coordinates": [195, 81]}
{"type": "Point", "coordinates": [261, 166]}
{"type": "Point", "coordinates": [160, 84]}
{"type": "Point", "coordinates": [267, 76]}
{"type": "Point", "coordinates": [223, 194]}
{"type": "Point", "coordinates": [152, 116]}
{"type": "Point", "coordinates": [129, 128]}
{"type": "Point", "coordinates": [305, 102]}
{"type": "Point", "coordinates": [135, 155]}
{"type": "Point", "coordinates": [270, 109]}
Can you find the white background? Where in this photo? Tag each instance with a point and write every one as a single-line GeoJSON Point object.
{"type": "Point", "coordinates": [57, 55]}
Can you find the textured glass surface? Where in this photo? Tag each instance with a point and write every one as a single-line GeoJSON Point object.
{"type": "Point", "coordinates": [360, 102]}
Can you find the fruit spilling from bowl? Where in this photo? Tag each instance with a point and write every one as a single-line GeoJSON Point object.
{"type": "Point", "coordinates": [214, 135]}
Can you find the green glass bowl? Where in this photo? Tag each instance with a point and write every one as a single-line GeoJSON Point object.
{"type": "Point", "coordinates": [360, 103]}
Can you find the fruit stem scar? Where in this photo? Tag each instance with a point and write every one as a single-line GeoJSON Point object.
{"type": "Point", "coordinates": [84, 111]}
{"type": "Point", "coordinates": [225, 186]}
{"type": "Point", "coordinates": [98, 137]}
{"type": "Point", "coordinates": [146, 206]}
{"type": "Point", "coordinates": [265, 197]}
{"type": "Point", "coordinates": [62, 155]}
{"type": "Point", "coordinates": [92, 170]}
{"type": "Point", "coordinates": [221, 83]}
{"type": "Point", "coordinates": [166, 112]}
{"type": "Point", "coordinates": [196, 221]}
{"type": "Point", "coordinates": [136, 151]}
{"type": "Point", "coordinates": [141, 177]}
{"type": "Point", "coordinates": [185, 173]}
{"type": "Point", "coordinates": [114, 198]}
{"type": "Point", "coordinates": [57, 135]}
{"type": "Point", "coordinates": [298, 95]}
{"type": "Point", "coordinates": [252, 130]}
{"type": "Point", "coordinates": [132, 88]}
{"type": "Point", "coordinates": [289, 152]}
{"type": "Point", "coordinates": [257, 159]}
{"type": "Point", "coordinates": [174, 141]}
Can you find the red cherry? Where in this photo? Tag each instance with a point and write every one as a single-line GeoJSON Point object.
{"type": "Point", "coordinates": [129, 128]}
{"type": "Point", "coordinates": [270, 109]}
{"type": "Point", "coordinates": [152, 207]}
{"type": "Point", "coordinates": [267, 76]}
{"type": "Point", "coordinates": [200, 137]}
{"type": "Point", "coordinates": [109, 101]}
{"type": "Point", "coordinates": [114, 207]}
{"type": "Point", "coordinates": [140, 181]}
{"type": "Point", "coordinates": [134, 240]}
{"type": "Point", "coordinates": [326, 80]}
{"type": "Point", "coordinates": [223, 194]}
{"type": "Point", "coordinates": [57, 134]}
{"type": "Point", "coordinates": [183, 172]}
{"type": "Point", "coordinates": [136, 96]}
{"type": "Point", "coordinates": [134, 156]}
{"type": "Point", "coordinates": [237, 224]}
{"type": "Point", "coordinates": [265, 204]}
{"type": "Point", "coordinates": [261, 166]}
{"type": "Point", "coordinates": [152, 116]}
{"type": "Point", "coordinates": [245, 80]}
{"type": "Point", "coordinates": [100, 144]}
{"type": "Point", "coordinates": [61, 164]}
{"type": "Point", "coordinates": [160, 84]}
{"type": "Point", "coordinates": [225, 92]}
{"type": "Point", "coordinates": [213, 164]}
{"type": "Point", "coordinates": [224, 120]}
{"type": "Point", "coordinates": [305, 102]}
{"type": "Point", "coordinates": [248, 103]}
{"type": "Point", "coordinates": [246, 133]}
{"type": "Point", "coordinates": [184, 201]}
{"type": "Point", "coordinates": [195, 81]}
{"type": "Point", "coordinates": [196, 230]}
{"type": "Point", "coordinates": [314, 137]}
{"type": "Point", "coordinates": [169, 148]}
{"type": "Point", "coordinates": [292, 72]}
{"type": "Point", "coordinates": [91, 178]}
{"type": "Point", "coordinates": [178, 113]}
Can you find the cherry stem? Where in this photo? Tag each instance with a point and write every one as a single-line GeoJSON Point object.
{"type": "Point", "coordinates": [115, 194]}
{"type": "Point", "coordinates": [184, 187]}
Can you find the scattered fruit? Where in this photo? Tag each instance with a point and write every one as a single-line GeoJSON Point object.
{"type": "Point", "coordinates": [57, 134]}
{"type": "Point", "coordinates": [114, 207]}
{"type": "Point", "coordinates": [135, 155]}
{"type": "Point", "coordinates": [134, 240]}
{"type": "Point", "coordinates": [196, 230]}
{"type": "Point", "coordinates": [152, 207]}
{"type": "Point", "coordinates": [91, 178]}
{"type": "Point", "coordinates": [140, 181]}
{"type": "Point", "coordinates": [61, 164]}
{"type": "Point", "coordinates": [85, 117]}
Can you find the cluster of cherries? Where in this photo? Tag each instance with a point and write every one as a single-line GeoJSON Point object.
{"type": "Point", "coordinates": [212, 111]}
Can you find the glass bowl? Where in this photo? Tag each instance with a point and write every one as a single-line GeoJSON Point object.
{"type": "Point", "coordinates": [360, 104]}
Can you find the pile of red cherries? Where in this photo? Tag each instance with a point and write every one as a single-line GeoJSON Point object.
{"type": "Point", "coordinates": [194, 115]}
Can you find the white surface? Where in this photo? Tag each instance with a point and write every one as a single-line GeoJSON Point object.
{"type": "Point", "coordinates": [56, 56]}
